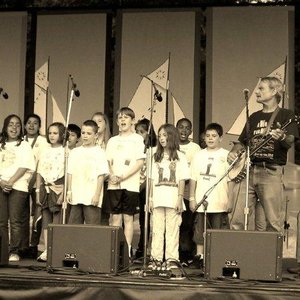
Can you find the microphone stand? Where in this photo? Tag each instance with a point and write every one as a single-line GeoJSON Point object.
{"type": "Point", "coordinates": [248, 162]}
{"type": "Point", "coordinates": [157, 94]}
{"type": "Point", "coordinates": [66, 145]}
{"type": "Point", "coordinates": [286, 225]}
{"type": "Point", "coordinates": [148, 150]}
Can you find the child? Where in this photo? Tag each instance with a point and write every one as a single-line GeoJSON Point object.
{"type": "Point", "coordinates": [38, 143]}
{"type": "Point", "coordinates": [202, 143]}
{"type": "Point", "coordinates": [16, 167]}
{"type": "Point", "coordinates": [50, 179]}
{"type": "Point", "coordinates": [103, 133]}
{"type": "Point", "coordinates": [207, 167]}
{"type": "Point", "coordinates": [125, 155]}
{"type": "Point", "coordinates": [74, 133]}
{"type": "Point", "coordinates": [169, 172]}
{"type": "Point", "coordinates": [32, 135]}
{"type": "Point", "coordinates": [86, 170]}
{"type": "Point", "coordinates": [103, 136]}
{"type": "Point", "coordinates": [142, 128]}
{"type": "Point", "coordinates": [189, 148]}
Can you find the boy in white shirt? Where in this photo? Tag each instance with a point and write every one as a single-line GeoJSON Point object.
{"type": "Point", "coordinates": [189, 148]}
{"type": "Point", "coordinates": [207, 168]}
{"type": "Point", "coordinates": [74, 133]}
{"type": "Point", "coordinates": [86, 170]}
{"type": "Point", "coordinates": [125, 155]}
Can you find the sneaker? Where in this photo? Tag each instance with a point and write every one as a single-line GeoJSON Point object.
{"type": "Point", "coordinates": [155, 264]}
{"type": "Point", "coordinates": [43, 257]}
{"type": "Point", "coordinates": [13, 257]}
{"type": "Point", "coordinates": [197, 262]}
{"type": "Point", "coordinates": [185, 263]}
{"type": "Point", "coordinates": [172, 264]}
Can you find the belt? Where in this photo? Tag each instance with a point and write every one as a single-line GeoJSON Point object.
{"type": "Point", "coordinates": [263, 164]}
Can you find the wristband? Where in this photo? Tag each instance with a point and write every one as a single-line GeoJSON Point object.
{"type": "Point", "coordinates": [37, 190]}
{"type": "Point", "coordinates": [69, 192]}
{"type": "Point", "coordinates": [192, 198]}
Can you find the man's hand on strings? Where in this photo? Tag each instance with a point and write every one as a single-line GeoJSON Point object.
{"type": "Point", "coordinates": [235, 152]}
{"type": "Point", "coordinates": [278, 133]}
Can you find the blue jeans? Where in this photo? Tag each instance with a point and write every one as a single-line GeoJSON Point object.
{"type": "Point", "coordinates": [12, 206]}
{"type": "Point", "coordinates": [267, 186]}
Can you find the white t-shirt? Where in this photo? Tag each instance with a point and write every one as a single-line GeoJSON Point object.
{"type": "Point", "coordinates": [38, 145]}
{"type": "Point", "coordinates": [52, 163]}
{"type": "Point", "coordinates": [85, 165]}
{"type": "Point", "coordinates": [165, 177]}
{"type": "Point", "coordinates": [207, 168]}
{"type": "Point", "coordinates": [189, 150]}
{"type": "Point", "coordinates": [14, 157]}
{"type": "Point", "coordinates": [143, 172]}
{"type": "Point", "coordinates": [122, 153]}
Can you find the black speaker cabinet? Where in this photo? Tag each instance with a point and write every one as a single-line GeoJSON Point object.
{"type": "Point", "coordinates": [243, 254]}
{"type": "Point", "coordinates": [91, 248]}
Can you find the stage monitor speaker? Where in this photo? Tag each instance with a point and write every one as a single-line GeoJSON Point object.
{"type": "Point", "coordinates": [3, 250]}
{"type": "Point", "coordinates": [90, 248]}
{"type": "Point", "coordinates": [250, 255]}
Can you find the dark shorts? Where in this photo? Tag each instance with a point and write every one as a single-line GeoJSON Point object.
{"type": "Point", "coordinates": [214, 221]}
{"type": "Point", "coordinates": [122, 202]}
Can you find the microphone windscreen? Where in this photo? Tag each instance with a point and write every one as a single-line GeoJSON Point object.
{"type": "Point", "coordinates": [77, 93]}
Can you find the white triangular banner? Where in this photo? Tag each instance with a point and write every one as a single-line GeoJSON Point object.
{"type": "Point", "coordinates": [40, 94]}
{"type": "Point", "coordinates": [143, 98]}
{"type": "Point", "coordinates": [57, 115]}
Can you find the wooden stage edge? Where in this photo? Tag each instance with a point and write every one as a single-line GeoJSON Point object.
{"type": "Point", "coordinates": [31, 280]}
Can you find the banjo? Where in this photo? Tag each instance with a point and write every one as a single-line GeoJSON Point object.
{"type": "Point", "coordinates": [238, 172]}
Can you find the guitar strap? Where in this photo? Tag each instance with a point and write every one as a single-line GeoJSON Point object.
{"type": "Point", "coordinates": [274, 114]}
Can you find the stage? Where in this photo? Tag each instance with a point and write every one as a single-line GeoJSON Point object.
{"type": "Point", "coordinates": [29, 279]}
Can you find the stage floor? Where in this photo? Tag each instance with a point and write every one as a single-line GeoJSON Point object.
{"type": "Point", "coordinates": [29, 279]}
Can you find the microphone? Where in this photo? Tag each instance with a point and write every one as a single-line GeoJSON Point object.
{"type": "Point", "coordinates": [246, 92]}
{"type": "Point", "coordinates": [157, 94]}
{"type": "Point", "coordinates": [4, 94]}
{"type": "Point", "coordinates": [74, 87]}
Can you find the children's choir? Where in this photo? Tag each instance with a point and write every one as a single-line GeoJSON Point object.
{"type": "Point", "coordinates": [107, 183]}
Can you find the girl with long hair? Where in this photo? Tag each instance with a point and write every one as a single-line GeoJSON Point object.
{"type": "Point", "coordinates": [50, 180]}
{"type": "Point", "coordinates": [169, 172]}
{"type": "Point", "coordinates": [16, 167]}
